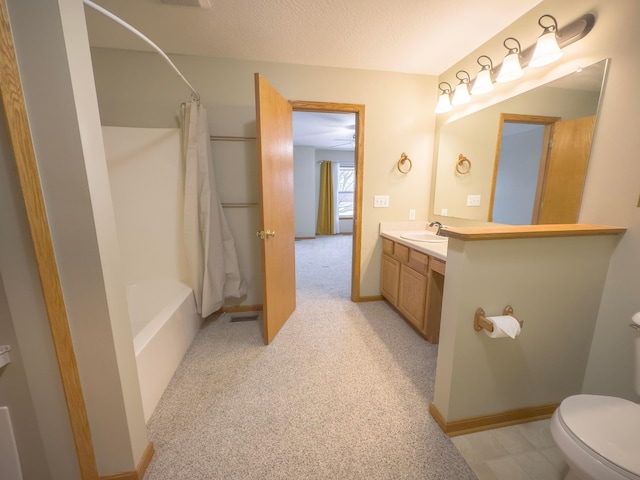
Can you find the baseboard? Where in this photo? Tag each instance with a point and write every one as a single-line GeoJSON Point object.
{"type": "Point", "coordinates": [138, 473]}
{"type": "Point", "coordinates": [370, 298]}
{"type": "Point", "coordinates": [305, 238]}
{"type": "Point", "coordinates": [494, 420]}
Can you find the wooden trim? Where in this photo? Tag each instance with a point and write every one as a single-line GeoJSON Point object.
{"type": "Point", "coordinates": [495, 420]}
{"type": "Point", "coordinates": [498, 232]}
{"type": "Point", "coordinates": [304, 106]}
{"type": "Point", "coordinates": [305, 238]}
{"type": "Point", "coordinates": [141, 469]}
{"type": "Point", "coordinates": [23, 151]}
{"type": "Point", "coordinates": [368, 298]}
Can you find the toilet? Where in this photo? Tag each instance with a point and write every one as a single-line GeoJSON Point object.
{"type": "Point", "coordinates": [599, 436]}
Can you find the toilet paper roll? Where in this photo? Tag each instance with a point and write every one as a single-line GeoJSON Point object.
{"type": "Point", "coordinates": [503, 326]}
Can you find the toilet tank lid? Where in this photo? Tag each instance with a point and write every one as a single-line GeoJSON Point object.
{"type": "Point", "coordinates": [609, 426]}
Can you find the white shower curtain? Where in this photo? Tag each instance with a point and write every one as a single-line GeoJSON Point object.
{"type": "Point", "coordinates": [210, 250]}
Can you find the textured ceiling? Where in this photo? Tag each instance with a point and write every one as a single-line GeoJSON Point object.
{"type": "Point", "coordinates": [411, 36]}
{"type": "Point", "coordinates": [408, 36]}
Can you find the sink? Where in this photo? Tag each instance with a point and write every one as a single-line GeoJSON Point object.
{"type": "Point", "coordinates": [424, 237]}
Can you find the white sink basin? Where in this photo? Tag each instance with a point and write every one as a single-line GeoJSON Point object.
{"type": "Point", "coordinates": [424, 237]}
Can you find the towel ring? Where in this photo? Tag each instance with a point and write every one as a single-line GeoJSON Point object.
{"type": "Point", "coordinates": [402, 161]}
{"type": "Point", "coordinates": [464, 165]}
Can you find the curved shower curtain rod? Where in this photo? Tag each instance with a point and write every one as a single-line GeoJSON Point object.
{"type": "Point", "coordinates": [107, 13]}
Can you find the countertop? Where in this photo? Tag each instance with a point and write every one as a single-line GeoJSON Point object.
{"type": "Point", "coordinates": [394, 230]}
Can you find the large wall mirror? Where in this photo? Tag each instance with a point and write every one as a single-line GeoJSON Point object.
{"type": "Point", "coordinates": [527, 156]}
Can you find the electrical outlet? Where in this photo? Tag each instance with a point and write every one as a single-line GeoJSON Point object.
{"type": "Point", "coordinates": [473, 200]}
{"type": "Point", "coordinates": [380, 201]}
{"type": "Point", "coordinates": [412, 214]}
{"type": "Point", "coordinates": [444, 212]}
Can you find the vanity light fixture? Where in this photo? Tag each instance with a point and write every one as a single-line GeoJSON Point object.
{"type": "Point", "coordinates": [483, 82]}
{"type": "Point", "coordinates": [547, 49]}
{"type": "Point", "coordinates": [461, 93]}
{"type": "Point", "coordinates": [444, 100]}
{"type": "Point", "coordinates": [511, 68]}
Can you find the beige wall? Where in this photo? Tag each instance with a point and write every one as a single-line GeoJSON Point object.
{"type": "Point", "coordinates": [611, 191]}
{"type": "Point", "coordinates": [138, 89]}
{"type": "Point", "coordinates": [30, 386]}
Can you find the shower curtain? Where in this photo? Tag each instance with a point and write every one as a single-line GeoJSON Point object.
{"type": "Point", "coordinates": [210, 249]}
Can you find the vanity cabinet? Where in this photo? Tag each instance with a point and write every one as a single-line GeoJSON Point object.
{"type": "Point", "coordinates": [412, 282]}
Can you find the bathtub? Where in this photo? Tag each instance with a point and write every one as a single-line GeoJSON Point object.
{"type": "Point", "coordinates": [164, 322]}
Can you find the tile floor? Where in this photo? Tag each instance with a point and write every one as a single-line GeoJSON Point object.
{"type": "Point", "coordinates": [518, 452]}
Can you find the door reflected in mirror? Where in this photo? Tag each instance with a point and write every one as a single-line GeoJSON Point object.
{"type": "Point", "coordinates": [529, 153]}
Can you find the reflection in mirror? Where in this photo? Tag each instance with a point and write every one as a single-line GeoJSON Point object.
{"type": "Point", "coordinates": [529, 154]}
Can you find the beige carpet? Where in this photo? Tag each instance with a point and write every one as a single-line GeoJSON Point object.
{"type": "Point", "coordinates": [341, 393]}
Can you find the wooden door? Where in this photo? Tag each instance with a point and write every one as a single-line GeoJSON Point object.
{"type": "Point", "coordinates": [275, 169]}
{"type": "Point", "coordinates": [566, 170]}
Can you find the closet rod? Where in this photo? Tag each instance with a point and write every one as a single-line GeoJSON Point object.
{"type": "Point", "coordinates": [107, 13]}
{"type": "Point", "coordinates": [230, 138]}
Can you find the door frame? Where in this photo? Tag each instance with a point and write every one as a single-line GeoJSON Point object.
{"type": "Point", "coordinates": [548, 123]}
{"type": "Point", "coordinates": [358, 110]}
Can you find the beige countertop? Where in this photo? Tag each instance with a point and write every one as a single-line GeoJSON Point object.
{"type": "Point", "coordinates": [395, 230]}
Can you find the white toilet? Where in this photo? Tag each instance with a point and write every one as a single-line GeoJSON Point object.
{"type": "Point", "coordinates": [598, 435]}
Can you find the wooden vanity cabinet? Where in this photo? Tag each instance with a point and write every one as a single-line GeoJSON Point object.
{"type": "Point", "coordinates": [412, 282]}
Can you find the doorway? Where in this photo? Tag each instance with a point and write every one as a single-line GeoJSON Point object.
{"type": "Point", "coordinates": [324, 187]}
{"type": "Point", "coordinates": [357, 137]}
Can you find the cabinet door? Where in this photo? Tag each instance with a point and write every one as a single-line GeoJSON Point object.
{"type": "Point", "coordinates": [413, 296]}
{"type": "Point", "coordinates": [390, 279]}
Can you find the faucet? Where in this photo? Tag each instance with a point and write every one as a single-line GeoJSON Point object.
{"type": "Point", "coordinates": [439, 225]}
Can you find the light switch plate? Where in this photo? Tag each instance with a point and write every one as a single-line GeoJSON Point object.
{"type": "Point", "coordinates": [380, 201]}
{"type": "Point", "coordinates": [473, 200]}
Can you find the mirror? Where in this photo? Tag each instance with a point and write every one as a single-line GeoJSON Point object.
{"type": "Point", "coordinates": [504, 157]}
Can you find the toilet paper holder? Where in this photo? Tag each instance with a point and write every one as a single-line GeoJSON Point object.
{"type": "Point", "coordinates": [480, 320]}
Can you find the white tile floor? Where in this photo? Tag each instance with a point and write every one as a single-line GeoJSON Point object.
{"type": "Point", "coordinates": [518, 452]}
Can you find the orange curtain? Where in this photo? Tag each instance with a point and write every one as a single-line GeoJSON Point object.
{"type": "Point", "coordinates": [325, 207]}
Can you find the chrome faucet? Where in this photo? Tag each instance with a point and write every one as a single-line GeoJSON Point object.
{"type": "Point", "coordinates": [439, 225]}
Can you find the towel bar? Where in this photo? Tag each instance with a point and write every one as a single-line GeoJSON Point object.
{"type": "Point", "coordinates": [480, 320]}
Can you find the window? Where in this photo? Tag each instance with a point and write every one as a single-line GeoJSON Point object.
{"type": "Point", "coordinates": [346, 185]}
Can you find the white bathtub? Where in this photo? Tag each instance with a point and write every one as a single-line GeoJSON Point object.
{"type": "Point", "coordinates": [164, 322]}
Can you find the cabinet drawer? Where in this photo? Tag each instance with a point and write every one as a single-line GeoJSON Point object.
{"type": "Point", "coordinates": [387, 246]}
{"type": "Point", "coordinates": [438, 265]}
{"type": "Point", "coordinates": [401, 253]}
{"type": "Point", "coordinates": [419, 261]}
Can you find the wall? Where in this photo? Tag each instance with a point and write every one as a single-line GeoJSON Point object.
{"type": "Point", "coordinates": [304, 191]}
{"type": "Point", "coordinates": [70, 155]}
{"type": "Point", "coordinates": [138, 89]}
{"type": "Point", "coordinates": [611, 190]}
{"type": "Point", "coordinates": [146, 176]}
{"type": "Point", "coordinates": [30, 385]}
{"type": "Point", "coordinates": [554, 285]}
{"type": "Point", "coordinates": [516, 182]}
